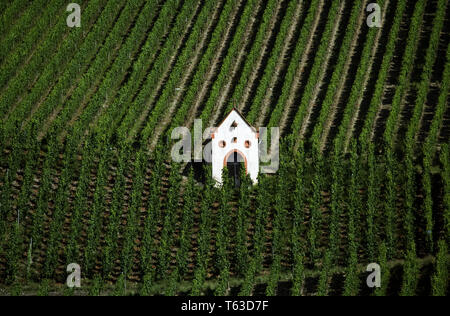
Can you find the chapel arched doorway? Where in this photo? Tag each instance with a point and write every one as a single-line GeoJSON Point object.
{"type": "Point", "coordinates": [235, 161]}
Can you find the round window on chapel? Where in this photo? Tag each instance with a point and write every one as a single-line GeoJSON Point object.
{"type": "Point", "coordinates": [222, 144]}
{"type": "Point", "coordinates": [247, 144]}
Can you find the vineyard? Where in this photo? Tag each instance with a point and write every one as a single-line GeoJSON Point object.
{"type": "Point", "coordinates": [86, 175]}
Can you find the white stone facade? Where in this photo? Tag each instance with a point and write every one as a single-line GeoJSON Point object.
{"type": "Point", "coordinates": [235, 134]}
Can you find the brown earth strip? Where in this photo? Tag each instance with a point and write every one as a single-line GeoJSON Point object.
{"type": "Point", "coordinates": [355, 116]}
{"type": "Point", "coordinates": [265, 50]}
{"type": "Point", "coordinates": [312, 103]}
{"type": "Point", "coordinates": [300, 70]}
{"type": "Point", "coordinates": [340, 89]}
{"type": "Point", "coordinates": [281, 62]}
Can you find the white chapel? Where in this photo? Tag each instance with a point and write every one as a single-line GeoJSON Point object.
{"type": "Point", "coordinates": [235, 144]}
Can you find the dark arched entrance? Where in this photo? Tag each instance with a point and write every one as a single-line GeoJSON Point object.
{"type": "Point", "coordinates": [234, 161]}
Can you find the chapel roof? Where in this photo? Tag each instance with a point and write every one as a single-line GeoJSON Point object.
{"type": "Point", "coordinates": [240, 114]}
